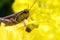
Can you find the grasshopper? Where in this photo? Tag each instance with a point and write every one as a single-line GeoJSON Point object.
{"type": "Point", "coordinates": [17, 17]}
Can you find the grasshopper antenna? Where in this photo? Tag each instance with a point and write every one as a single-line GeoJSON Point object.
{"type": "Point", "coordinates": [31, 8]}
{"type": "Point", "coordinates": [32, 4]}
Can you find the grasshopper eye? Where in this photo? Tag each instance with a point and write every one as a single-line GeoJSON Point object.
{"type": "Point", "coordinates": [26, 11]}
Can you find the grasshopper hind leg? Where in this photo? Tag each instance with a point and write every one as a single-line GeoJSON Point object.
{"type": "Point", "coordinates": [6, 21]}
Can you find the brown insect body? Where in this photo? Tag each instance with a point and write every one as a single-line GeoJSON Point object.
{"type": "Point", "coordinates": [15, 18]}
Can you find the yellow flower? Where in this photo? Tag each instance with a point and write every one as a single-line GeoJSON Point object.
{"type": "Point", "coordinates": [45, 14]}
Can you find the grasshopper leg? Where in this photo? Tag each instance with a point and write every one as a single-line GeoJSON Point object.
{"type": "Point", "coordinates": [13, 20]}
{"type": "Point", "coordinates": [6, 21]}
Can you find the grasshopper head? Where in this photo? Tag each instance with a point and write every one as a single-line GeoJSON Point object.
{"type": "Point", "coordinates": [26, 11]}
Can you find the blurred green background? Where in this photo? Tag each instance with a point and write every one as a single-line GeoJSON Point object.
{"type": "Point", "coordinates": [6, 7]}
